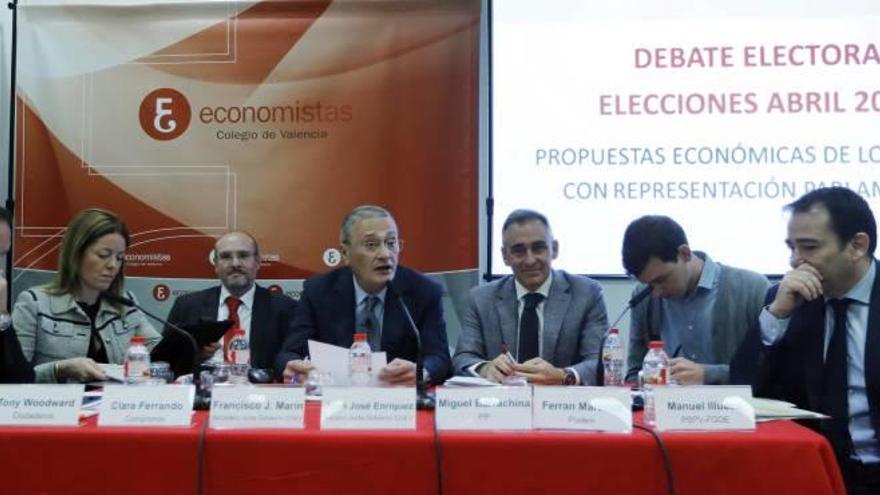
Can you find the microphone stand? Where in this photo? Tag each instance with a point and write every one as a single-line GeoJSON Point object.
{"type": "Point", "coordinates": [202, 400]}
{"type": "Point", "coordinates": [424, 399]}
{"type": "Point", "coordinates": [636, 299]}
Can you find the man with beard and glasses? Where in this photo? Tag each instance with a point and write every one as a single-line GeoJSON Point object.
{"type": "Point", "coordinates": [264, 317]}
{"type": "Point", "coordinates": [356, 298]}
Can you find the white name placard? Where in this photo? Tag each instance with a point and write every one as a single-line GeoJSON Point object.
{"type": "Point", "coordinates": [704, 408]}
{"type": "Point", "coordinates": [40, 405]}
{"type": "Point", "coordinates": [484, 408]}
{"type": "Point", "coordinates": [583, 408]}
{"type": "Point", "coordinates": [368, 408]}
{"type": "Point", "coordinates": [146, 405]}
{"type": "Point", "coordinates": [257, 407]}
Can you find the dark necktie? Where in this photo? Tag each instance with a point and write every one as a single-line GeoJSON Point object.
{"type": "Point", "coordinates": [528, 327]}
{"type": "Point", "coordinates": [232, 303]}
{"type": "Point", "coordinates": [369, 324]}
{"type": "Point", "coordinates": [835, 386]}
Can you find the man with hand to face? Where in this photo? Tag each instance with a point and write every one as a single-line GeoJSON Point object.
{"type": "Point", "coordinates": [821, 329]}
{"type": "Point", "coordinates": [700, 309]}
{"type": "Point", "coordinates": [356, 298]}
{"type": "Point", "coordinates": [541, 324]}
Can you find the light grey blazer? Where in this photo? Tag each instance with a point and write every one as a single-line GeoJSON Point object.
{"type": "Point", "coordinates": [737, 308]}
{"type": "Point", "coordinates": [53, 327]}
{"type": "Point", "coordinates": [574, 322]}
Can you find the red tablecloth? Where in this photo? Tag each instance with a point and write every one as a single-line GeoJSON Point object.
{"type": "Point", "coordinates": [779, 458]}
{"type": "Point", "coordinates": [90, 460]}
{"type": "Point", "coordinates": [311, 461]}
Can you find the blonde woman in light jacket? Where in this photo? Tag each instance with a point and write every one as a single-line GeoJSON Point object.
{"type": "Point", "coordinates": [66, 327]}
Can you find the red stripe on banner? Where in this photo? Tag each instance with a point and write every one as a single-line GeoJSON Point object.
{"type": "Point", "coordinates": [263, 35]}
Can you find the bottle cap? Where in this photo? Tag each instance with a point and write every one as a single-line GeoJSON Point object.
{"type": "Point", "coordinates": [137, 340]}
{"type": "Point", "coordinates": [360, 337]}
{"type": "Point", "coordinates": [655, 344]}
{"type": "Point", "coordinates": [613, 331]}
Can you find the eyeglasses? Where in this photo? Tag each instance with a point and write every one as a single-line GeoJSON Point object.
{"type": "Point", "coordinates": [373, 245]}
{"type": "Point", "coordinates": [229, 256]}
{"type": "Point", "coordinates": [521, 250]}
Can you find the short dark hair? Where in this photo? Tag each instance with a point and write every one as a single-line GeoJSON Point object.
{"type": "Point", "coordinates": [849, 213]}
{"type": "Point", "coordinates": [651, 236]}
{"type": "Point", "coordinates": [522, 216]}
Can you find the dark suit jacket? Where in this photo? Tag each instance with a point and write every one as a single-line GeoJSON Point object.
{"type": "Point", "coordinates": [327, 313]}
{"type": "Point", "coordinates": [271, 319]}
{"type": "Point", "coordinates": [14, 368]}
{"type": "Point", "coordinates": [792, 369]}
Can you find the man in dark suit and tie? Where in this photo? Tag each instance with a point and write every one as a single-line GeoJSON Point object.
{"type": "Point", "coordinates": [821, 330]}
{"type": "Point", "coordinates": [265, 318]}
{"type": "Point", "coordinates": [356, 298]}
{"type": "Point", "coordinates": [539, 323]}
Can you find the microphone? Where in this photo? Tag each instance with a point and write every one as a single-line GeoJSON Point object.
{"type": "Point", "coordinates": [424, 400]}
{"type": "Point", "coordinates": [633, 302]}
{"type": "Point", "coordinates": [201, 402]}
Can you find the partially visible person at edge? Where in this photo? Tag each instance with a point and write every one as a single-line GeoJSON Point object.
{"type": "Point", "coordinates": [14, 368]}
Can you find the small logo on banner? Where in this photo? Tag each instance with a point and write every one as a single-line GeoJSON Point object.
{"type": "Point", "coordinates": [332, 257]}
{"type": "Point", "coordinates": [165, 114]}
{"type": "Point", "coordinates": [161, 292]}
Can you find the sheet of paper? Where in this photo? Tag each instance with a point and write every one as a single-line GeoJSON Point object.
{"type": "Point", "coordinates": [333, 359]}
{"type": "Point", "coordinates": [770, 409]}
{"type": "Point", "coordinates": [470, 381]}
{"type": "Point", "coordinates": [116, 372]}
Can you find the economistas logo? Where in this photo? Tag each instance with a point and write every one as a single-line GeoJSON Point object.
{"type": "Point", "coordinates": [165, 114]}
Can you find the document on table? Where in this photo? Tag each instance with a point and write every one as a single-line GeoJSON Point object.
{"type": "Point", "coordinates": [770, 409]}
{"type": "Point", "coordinates": [115, 372]}
{"type": "Point", "coordinates": [469, 381]}
{"type": "Point", "coordinates": [333, 359]}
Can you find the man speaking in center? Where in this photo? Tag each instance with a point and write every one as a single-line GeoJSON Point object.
{"type": "Point", "coordinates": [356, 298]}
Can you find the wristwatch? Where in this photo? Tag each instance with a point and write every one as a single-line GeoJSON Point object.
{"type": "Point", "coordinates": [5, 321]}
{"type": "Point", "coordinates": [570, 378]}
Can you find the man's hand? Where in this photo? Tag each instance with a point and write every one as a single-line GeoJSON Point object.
{"type": "Point", "coordinates": [399, 372]}
{"type": "Point", "coordinates": [536, 370]}
{"type": "Point", "coordinates": [81, 369]}
{"type": "Point", "coordinates": [686, 372]}
{"type": "Point", "coordinates": [209, 350]}
{"type": "Point", "coordinates": [497, 368]}
{"type": "Point", "coordinates": [297, 368]}
{"type": "Point", "coordinates": [802, 283]}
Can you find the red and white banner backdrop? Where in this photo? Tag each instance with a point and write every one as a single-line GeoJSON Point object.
{"type": "Point", "coordinates": [191, 119]}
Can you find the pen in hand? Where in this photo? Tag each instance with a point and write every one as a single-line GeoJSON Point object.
{"type": "Point", "coordinates": [506, 352]}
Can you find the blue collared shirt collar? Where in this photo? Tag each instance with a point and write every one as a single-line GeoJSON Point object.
{"type": "Point", "coordinates": [360, 294]}
{"type": "Point", "coordinates": [861, 292]}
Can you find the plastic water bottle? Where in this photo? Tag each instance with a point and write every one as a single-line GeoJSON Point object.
{"type": "Point", "coordinates": [612, 359]}
{"type": "Point", "coordinates": [654, 369]}
{"type": "Point", "coordinates": [239, 357]}
{"type": "Point", "coordinates": [137, 362]}
{"type": "Point", "coordinates": [360, 360]}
